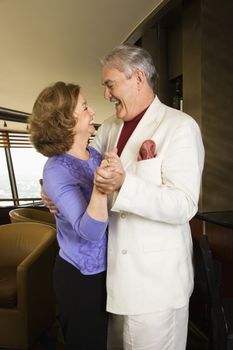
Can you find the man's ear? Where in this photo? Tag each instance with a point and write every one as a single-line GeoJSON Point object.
{"type": "Point", "coordinates": [140, 76]}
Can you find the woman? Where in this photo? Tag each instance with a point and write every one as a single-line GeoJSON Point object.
{"type": "Point", "coordinates": [60, 126]}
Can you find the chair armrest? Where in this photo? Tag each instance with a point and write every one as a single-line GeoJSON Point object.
{"type": "Point", "coordinates": [35, 276]}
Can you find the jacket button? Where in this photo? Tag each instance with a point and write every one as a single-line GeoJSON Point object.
{"type": "Point", "coordinates": [124, 251]}
{"type": "Point", "coordinates": [123, 215]}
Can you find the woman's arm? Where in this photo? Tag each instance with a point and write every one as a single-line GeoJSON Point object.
{"type": "Point", "coordinates": [97, 208]}
{"type": "Point", "coordinates": [88, 220]}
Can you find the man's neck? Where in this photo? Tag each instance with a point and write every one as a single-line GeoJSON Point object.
{"type": "Point", "coordinates": [137, 117]}
{"type": "Point", "coordinates": [142, 107]}
{"type": "Point", "coordinates": [150, 96]}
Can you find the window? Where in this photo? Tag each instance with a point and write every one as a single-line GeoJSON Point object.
{"type": "Point", "coordinates": [28, 165]}
{"type": "Point", "coordinates": [20, 169]}
{"type": "Point", "coordinates": [5, 187]}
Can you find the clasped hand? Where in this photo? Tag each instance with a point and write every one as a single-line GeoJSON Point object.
{"type": "Point", "coordinates": [110, 175]}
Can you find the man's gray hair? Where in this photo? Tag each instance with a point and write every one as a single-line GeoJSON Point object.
{"type": "Point", "coordinates": [129, 58]}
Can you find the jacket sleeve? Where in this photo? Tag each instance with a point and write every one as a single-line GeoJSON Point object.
{"type": "Point", "coordinates": [175, 199]}
{"type": "Point", "coordinates": [100, 140]}
{"type": "Point", "coordinates": [106, 136]}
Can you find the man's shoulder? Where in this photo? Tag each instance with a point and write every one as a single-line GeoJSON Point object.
{"type": "Point", "coordinates": [170, 116]}
{"type": "Point", "coordinates": [110, 121]}
{"type": "Point", "coordinates": [179, 117]}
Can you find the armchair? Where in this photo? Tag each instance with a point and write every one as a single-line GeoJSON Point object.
{"type": "Point", "coordinates": [31, 214]}
{"type": "Point", "coordinates": [27, 301]}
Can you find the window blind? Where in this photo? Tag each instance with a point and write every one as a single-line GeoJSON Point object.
{"type": "Point", "coordinates": [14, 140]}
{"type": "Point", "coordinates": [20, 139]}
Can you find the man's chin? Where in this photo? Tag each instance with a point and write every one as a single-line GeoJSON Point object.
{"type": "Point", "coordinates": [120, 114]}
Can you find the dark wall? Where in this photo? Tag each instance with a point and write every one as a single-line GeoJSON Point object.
{"type": "Point", "coordinates": [4, 215]}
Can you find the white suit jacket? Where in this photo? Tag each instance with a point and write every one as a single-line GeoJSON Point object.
{"type": "Point", "coordinates": [149, 243]}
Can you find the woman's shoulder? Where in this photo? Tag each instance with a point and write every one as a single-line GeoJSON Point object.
{"type": "Point", "coordinates": [94, 153]}
{"type": "Point", "coordinates": [57, 160]}
{"type": "Point", "coordinates": [60, 171]}
{"type": "Point", "coordinates": [54, 165]}
{"type": "Point", "coordinates": [62, 165]}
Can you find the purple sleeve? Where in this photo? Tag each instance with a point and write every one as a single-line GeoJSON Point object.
{"type": "Point", "coordinates": [63, 190]}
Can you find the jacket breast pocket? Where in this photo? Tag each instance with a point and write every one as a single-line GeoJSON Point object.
{"type": "Point", "coordinates": [150, 170]}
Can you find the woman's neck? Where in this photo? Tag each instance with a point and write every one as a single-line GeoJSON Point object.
{"type": "Point", "coordinates": [79, 150]}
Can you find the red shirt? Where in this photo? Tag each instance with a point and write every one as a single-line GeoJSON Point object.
{"type": "Point", "coordinates": [127, 131]}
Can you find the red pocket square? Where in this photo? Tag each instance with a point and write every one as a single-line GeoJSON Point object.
{"type": "Point", "coordinates": [147, 150]}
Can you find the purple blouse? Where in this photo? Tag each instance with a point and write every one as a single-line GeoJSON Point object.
{"type": "Point", "coordinates": [68, 181]}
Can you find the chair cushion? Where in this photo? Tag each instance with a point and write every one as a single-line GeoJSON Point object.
{"type": "Point", "coordinates": [8, 287]}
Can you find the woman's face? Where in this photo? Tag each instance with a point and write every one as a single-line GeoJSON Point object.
{"type": "Point", "coordinates": [84, 116]}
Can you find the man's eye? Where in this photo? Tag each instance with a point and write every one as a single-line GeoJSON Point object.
{"type": "Point", "coordinates": [110, 85]}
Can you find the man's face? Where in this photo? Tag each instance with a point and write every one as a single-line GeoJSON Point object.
{"type": "Point", "coordinates": [122, 91]}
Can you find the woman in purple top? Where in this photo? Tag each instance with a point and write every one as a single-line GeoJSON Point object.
{"type": "Point", "coordinates": [60, 126]}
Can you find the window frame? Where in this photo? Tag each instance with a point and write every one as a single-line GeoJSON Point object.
{"type": "Point", "coordinates": [16, 139]}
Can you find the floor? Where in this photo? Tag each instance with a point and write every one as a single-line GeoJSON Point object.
{"type": "Point", "coordinates": [52, 340]}
{"type": "Point", "coordinates": [197, 340]}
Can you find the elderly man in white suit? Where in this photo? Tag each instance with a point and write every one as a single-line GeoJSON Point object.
{"type": "Point", "coordinates": [150, 272]}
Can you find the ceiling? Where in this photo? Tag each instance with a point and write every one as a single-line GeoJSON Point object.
{"type": "Point", "coordinates": [43, 41]}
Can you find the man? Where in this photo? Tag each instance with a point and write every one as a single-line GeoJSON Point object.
{"type": "Point", "coordinates": [150, 272]}
{"type": "Point", "coordinates": [153, 198]}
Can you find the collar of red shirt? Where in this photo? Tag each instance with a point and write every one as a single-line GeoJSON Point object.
{"type": "Point", "coordinates": [127, 131]}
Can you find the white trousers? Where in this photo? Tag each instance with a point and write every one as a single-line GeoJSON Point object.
{"type": "Point", "coordinates": [162, 330]}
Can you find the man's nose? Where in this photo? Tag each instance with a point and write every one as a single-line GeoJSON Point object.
{"type": "Point", "coordinates": [107, 93]}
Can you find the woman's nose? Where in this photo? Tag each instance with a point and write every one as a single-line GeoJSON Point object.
{"type": "Point", "coordinates": [91, 110]}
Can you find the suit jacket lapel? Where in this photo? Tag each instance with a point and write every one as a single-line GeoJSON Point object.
{"type": "Point", "coordinates": [144, 130]}
{"type": "Point", "coordinates": [114, 134]}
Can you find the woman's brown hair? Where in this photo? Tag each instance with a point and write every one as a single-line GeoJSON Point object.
{"type": "Point", "coordinates": [52, 121]}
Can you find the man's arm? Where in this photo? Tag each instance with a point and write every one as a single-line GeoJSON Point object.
{"type": "Point", "coordinates": [175, 200]}
{"type": "Point", "coordinates": [100, 141]}
{"type": "Point", "coordinates": [47, 201]}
